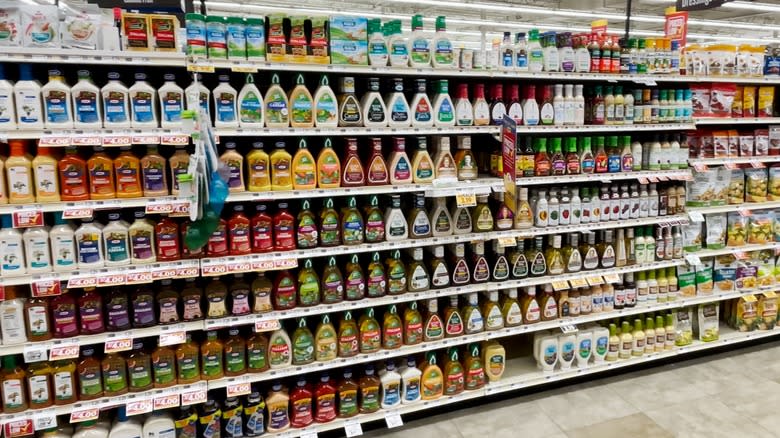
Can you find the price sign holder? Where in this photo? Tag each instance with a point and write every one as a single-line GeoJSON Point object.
{"type": "Point", "coordinates": [560, 285]}
{"type": "Point", "coordinates": [393, 420]}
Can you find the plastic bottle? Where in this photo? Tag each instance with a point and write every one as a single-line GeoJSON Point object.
{"type": "Point", "coordinates": [45, 176]}
{"type": "Point", "coordinates": [443, 53]}
{"type": "Point", "coordinates": [250, 105]}
{"type": "Point", "coordinates": [377, 45]}
{"type": "Point", "coordinates": [63, 245]}
{"type": "Point", "coordinates": [420, 45]}
{"type": "Point", "coordinates": [225, 104]}
{"type": "Point", "coordinates": [7, 106]}
{"type": "Point", "coordinates": [90, 246]}
{"type": "Point", "coordinates": [422, 111]}
{"type": "Point", "coordinates": [535, 53]}
{"type": "Point", "coordinates": [171, 102]}
{"type": "Point", "coordinates": [57, 109]}
{"type": "Point", "coordinates": [36, 246]}
{"type": "Point", "coordinates": [159, 425]}
{"type": "Point", "coordinates": [443, 108]}
{"type": "Point", "coordinates": [116, 241]}
{"type": "Point", "coordinates": [325, 105]}
{"type": "Point", "coordinates": [372, 106]}
{"type": "Point", "coordinates": [12, 321]}
{"type": "Point", "coordinates": [19, 173]}
{"type": "Point", "coordinates": [123, 428]}
{"type": "Point", "coordinates": [390, 392]}
{"type": "Point", "coordinates": [116, 102]}
{"type": "Point", "coordinates": [91, 429]}
{"type": "Point", "coordinates": [198, 97]}
{"type": "Point", "coordinates": [143, 108]}
{"type": "Point", "coordinates": [301, 105]}
{"type": "Point", "coordinates": [87, 110]}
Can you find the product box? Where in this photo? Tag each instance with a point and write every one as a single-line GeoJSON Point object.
{"type": "Point", "coordinates": [164, 29]}
{"type": "Point", "coordinates": [40, 25]}
{"type": "Point", "coordinates": [136, 32]}
{"type": "Point", "coordinates": [276, 48]}
{"type": "Point", "coordinates": [349, 40]}
{"type": "Point", "coordinates": [774, 140]}
{"type": "Point", "coordinates": [297, 46]}
{"type": "Point", "coordinates": [318, 42]}
{"type": "Point", "coordinates": [10, 24]}
{"type": "Point", "coordinates": [80, 27]}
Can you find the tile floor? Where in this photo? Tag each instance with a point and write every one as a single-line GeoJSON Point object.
{"type": "Point", "coordinates": [732, 394]}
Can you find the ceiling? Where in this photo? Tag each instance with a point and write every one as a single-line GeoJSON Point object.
{"type": "Point", "coordinates": [468, 18]}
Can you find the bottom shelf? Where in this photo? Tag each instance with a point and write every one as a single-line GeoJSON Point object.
{"type": "Point", "coordinates": [523, 373]}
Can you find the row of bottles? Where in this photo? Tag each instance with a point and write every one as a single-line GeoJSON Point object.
{"type": "Point", "coordinates": [589, 155]}
{"type": "Point", "coordinates": [159, 424]}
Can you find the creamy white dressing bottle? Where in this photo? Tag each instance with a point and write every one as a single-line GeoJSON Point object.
{"type": "Point", "coordinates": [579, 106]}
{"type": "Point", "coordinates": [12, 323]}
{"type": "Point", "coordinates": [37, 249]}
{"type": "Point", "coordinates": [550, 50]}
{"type": "Point", "coordinates": [559, 106]}
{"type": "Point", "coordinates": [89, 240]}
{"type": "Point", "coordinates": [530, 107]}
{"type": "Point", "coordinates": [116, 241]}
{"type": "Point", "coordinates": [63, 245]}
{"type": "Point", "coordinates": [398, 45]}
{"type": "Point", "coordinates": [440, 219]}
{"type": "Point", "coordinates": [225, 109]}
{"type": "Point", "coordinates": [325, 105]}
{"type": "Point", "coordinates": [422, 111]}
{"type": "Point", "coordinates": [57, 107]}
{"type": "Point", "coordinates": [443, 53]}
{"type": "Point", "coordinates": [377, 44]}
{"type": "Point", "coordinates": [464, 111]}
{"type": "Point", "coordinates": [410, 382]}
{"type": "Point", "coordinates": [395, 223]}
{"type": "Point", "coordinates": [7, 106]}
{"type": "Point", "coordinates": [143, 106]}
{"type": "Point", "coordinates": [87, 110]}
{"type": "Point", "coordinates": [420, 45]}
{"type": "Point", "coordinates": [397, 105]}
{"type": "Point", "coordinates": [198, 94]}
{"type": "Point", "coordinates": [372, 106]}
{"type": "Point", "coordinates": [569, 106]}
{"type": "Point", "coordinates": [390, 395]}
{"type": "Point", "coordinates": [116, 102]}
{"type": "Point", "coordinates": [141, 233]}
{"type": "Point", "coordinates": [535, 52]}
{"type": "Point", "coordinates": [171, 102]}
{"type": "Point", "coordinates": [250, 105]}
{"type": "Point", "coordinates": [443, 108]}
{"type": "Point", "coordinates": [11, 249]}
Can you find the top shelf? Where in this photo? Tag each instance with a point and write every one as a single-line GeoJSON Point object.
{"type": "Point", "coordinates": [177, 59]}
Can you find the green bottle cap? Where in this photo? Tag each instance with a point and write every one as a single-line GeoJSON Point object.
{"type": "Point", "coordinates": [417, 22]}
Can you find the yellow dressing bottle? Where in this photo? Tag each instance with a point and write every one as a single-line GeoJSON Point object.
{"type": "Point", "coordinates": [301, 105]}
{"type": "Point", "coordinates": [258, 169]}
{"type": "Point", "coordinates": [47, 187]}
{"type": "Point", "coordinates": [19, 169]}
{"type": "Point", "coordinates": [493, 359]}
{"type": "Point", "coordinates": [328, 167]}
{"type": "Point", "coordinates": [235, 165]}
{"type": "Point", "coordinates": [281, 168]}
{"type": "Point", "coordinates": [453, 373]}
{"type": "Point", "coordinates": [422, 164]}
{"type": "Point", "coordinates": [304, 168]}
{"type": "Point", "coordinates": [276, 107]}
{"type": "Point", "coordinates": [392, 329]}
{"type": "Point", "coordinates": [325, 341]}
{"type": "Point", "coordinates": [432, 381]}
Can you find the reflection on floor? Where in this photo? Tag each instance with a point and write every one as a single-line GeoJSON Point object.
{"type": "Point", "coordinates": [732, 394]}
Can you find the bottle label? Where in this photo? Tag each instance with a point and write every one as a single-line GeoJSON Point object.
{"type": "Point", "coordinates": [143, 310]}
{"type": "Point", "coordinates": [115, 107]}
{"type": "Point", "coordinates": [376, 111]}
{"type": "Point", "coordinates": [443, 52]}
{"type": "Point", "coordinates": [422, 112]}
{"type": "Point", "coordinates": [56, 107]}
{"type": "Point", "coordinates": [326, 110]}
{"type": "Point", "coordinates": [141, 242]}
{"type": "Point", "coordinates": [142, 105]}
{"type": "Point", "coordinates": [63, 386]}
{"type": "Point", "coordinates": [446, 113]}
{"type": "Point", "coordinates": [520, 267]}
{"type": "Point", "coordinates": [497, 113]}
{"type": "Point", "coordinates": [454, 325]}
{"type": "Point", "coordinates": [399, 110]}
{"type": "Point", "coordinates": [421, 51]}
{"type": "Point", "coordinates": [402, 170]}
{"type": "Point", "coordinates": [88, 247]}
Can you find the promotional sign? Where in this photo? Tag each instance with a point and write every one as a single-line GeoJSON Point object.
{"type": "Point", "coordinates": [509, 149]}
{"type": "Point", "coordinates": [676, 26]}
{"type": "Point", "coordinates": [699, 5]}
{"type": "Point", "coordinates": [598, 27]}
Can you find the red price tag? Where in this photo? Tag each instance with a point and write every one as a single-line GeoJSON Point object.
{"type": "Point", "coordinates": [235, 267]}
{"type": "Point", "coordinates": [643, 180]}
{"type": "Point", "coordinates": [139, 407]}
{"type": "Point", "coordinates": [19, 428]}
{"type": "Point", "coordinates": [285, 263]}
{"type": "Point", "coordinates": [159, 208]}
{"type": "Point", "coordinates": [46, 288]}
{"type": "Point", "coordinates": [81, 282]}
{"type": "Point", "coordinates": [174, 140]}
{"type": "Point", "coordinates": [180, 209]}
{"type": "Point", "coordinates": [84, 415]}
{"type": "Point", "coordinates": [138, 277]}
{"type": "Point", "coordinates": [146, 139]}
{"type": "Point", "coordinates": [117, 345]}
{"type": "Point", "coordinates": [186, 272]}
{"type": "Point", "coordinates": [166, 402]}
{"type": "Point", "coordinates": [263, 265]}
{"type": "Point", "coordinates": [117, 140]}
{"type": "Point", "coordinates": [193, 397]}
{"type": "Point", "coordinates": [730, 165]}
{"type": "Point", "coordinates": [740, 255]}
{"type": "Point", "coordinates": [757, 164]}
{"type": "Point", "coordinates": [161, 274]}
{"type": "Point", "coordinates": [267, 325]}
{"type": "Point", "coordinates": [237, 389]}
{"type": "Point", "coordinates": [54, 141]}
{"type": "Point", "coordinates": [68, 351]}
{"type": "Point", "coordinates": [77, 213]}
{"type": "Point", "coordinates": [85, 140]}
{"type": "Point", "coordinates": [27, 218]}
{"type": "Point", "coordinates": [212, 269]}
{"type": "Point", "coordinates": [699, 167]}
{"type": "Point", "coordinates": [111, 280]}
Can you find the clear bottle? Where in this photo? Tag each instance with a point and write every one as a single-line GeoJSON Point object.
{"type": "Point", "coordinates": [520, 52]}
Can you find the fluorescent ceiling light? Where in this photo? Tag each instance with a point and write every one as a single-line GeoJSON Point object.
{"type": "Point", "coordinates": [762, 7]}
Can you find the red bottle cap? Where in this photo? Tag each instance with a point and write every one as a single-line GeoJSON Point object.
{"type": "Point", "coordinates": [530, 92]}
{"type": "Point", "coordinates": [498, 92]}
{"type": "Point", "coordinates": [479, 91]}
{"type": "Point", "coordinates": [463, 91]}
{"type": "Point", "coordinates": [513, 92]}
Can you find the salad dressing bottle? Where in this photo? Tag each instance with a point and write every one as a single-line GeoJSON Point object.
{"type": "Point", "coordinates": [302, 344]}
{"type": "Point", "coordinates": [374, 112]}
{"type": "Point", "coordinates": [392, 329]}
{"type": "Point", "coordinates": [250, 105]}
{"type": "Point", "coordinates": [325, 341]}
{"type": "Point", "coordinates": [445, 168]}
{"type": "Point", "coordinates": [453, 374]}
{"type": "Point", "coordinates": [258, 169]}
{"type": "Point", "coordinates": [347, 336]}
{"type": "Point", "coordinates": [355, 283]}
{"type": "Point", "coordinates": [432, 380]}
{"type": "Point", "coordinates": [116, 102]}
{"type": "Point", "coordinates": [234, 162]}
{"type": "Point", "coordinates": [420, 45]}
{"type": "Point", "coordinates": [276, 108]}
{"type": "Point", "coordinates": [464, 160]}
{"type": "Point", "coordinates": [419, 223]}
{"type": "Point", "coordinates": [422, 165]}
{"type": "Point", "coordinates": [417, 274]}
{"type": "Point", "coordinates": [44, 168]}
{"type": "Point", "coordinates": [375, 222]}
{"type": "Point", "coordinates": [400, 167]}
{"type": "Point", "coordinates": [398, 110]}
{"type": "Point", "coordinates": [443, 108]}
{"type": "Point", "coordinates": [510, 309]}
{"type": "Point", "coordinates": [453, 321]}
{"type": "Point", "coordinates": [370, 336]}
{"type": "Point", "coordinates": [481, 115]}
{"type": "Point", "coordinates": [464, 111]}
{"type": "Point", "coordinates": [328, 167]}
{"type": "Point", "coordinates": [352, 173]}
{"type": "Point", "coordinates": [57, 103]}
{"type": "Point", "coordinates": [281, 168]}
{"type": "Point", "coordinates": [422, 110]}
{"type": "Point", "coordinates": [376, 173]}
{"type": "Point", "coordinates": [395, 222]}
{"type": "Point", "coordinates": [348, 104]}
{"type": "Point", "coordinates": [88, 113]}
{"type": "Point", "coordinates": [304, 168]}
{"type": "Point", "coordinates": [332, 283]}
{"type": "Point", "coordinates": [376, 284]}
{"type": "Point", "coordinates": [440, 219]}
{"type": "Point", "coordinates": [396, 274]}
{"type": "Point", "coordinates": [414, 326]}
{"type": "Point", "coordinates": [352, 225]}
{"type": "Point", "coordinates": [142, 103]}
{"type": "Point", "coordinates": [171, 102]}
{"type": "Point", "coordinates": [325, 105]}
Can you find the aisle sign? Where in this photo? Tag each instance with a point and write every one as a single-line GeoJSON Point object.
{"type": "Point", "coordinates": [509, 150]}
{"type": "Point", "coordinates": [699, 5]}
{"type": "Point", "coordinates": [676, 26]}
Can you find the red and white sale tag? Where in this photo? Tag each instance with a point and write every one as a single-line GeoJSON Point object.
{"type": "Point", "coordinates": [164, 207]}
{"type": "Point", "coordinates": [85, 140]}
{"type": "Point", "coordinates": [115, 279]}
{"type": "Point", "coordinates": [236, 267]}
{"type": "Point", "coordinates": [77, 213]}
{"type": "Point", "coordinates": [237, 389]}
{"type": "Point", "coordinates": [19, 428]}
{"type": "Point", "coordinates": [163, 273]}
{"type": "Point", "coordinates": [180, 209]}
{"type": "Point", "coordinates": [66, 351]}
{"type": "Point", "coordinates": [172, 338]}
{"type": "Point", "coordinates": [263, 265]}
{"type": "Point", "coordinates": [193, 397]}
{"type": "Point", "coordinates": [285, 263]}
{"type": "Point", "coordinates": [213, 268]}
{"type": "Point", "coordinates": [27, 218]}
{"type": "Point", "coordinates": [80, 282]}
{"type": "Point", "coordinates": [138, 407]}
{"type": "Point", "coordinates": [46, 288]}
{"type": "Point", "coordinates": [146, 139]}
{"type": "Point", "coordinates": [267, 325]}
{"type": "Point", "coordinates": [84, 415]}
{"type": "Point", "coordinates": [117, 345]}
{"type": "Point", "coordinates": [117, 140]}
{"type": "Point", "coordinates": [174, 139]}
{"type": "Point", "coordinates": [165, 402]}
{"type": "Point", "coordinates": [187, 272]}
{"type": "Point", "coordinates": [54, 141]}
{"type": "Point", "coordinates": [138, 276]}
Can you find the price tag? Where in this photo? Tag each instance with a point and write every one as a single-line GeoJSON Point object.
{"type": "Point", "coordinates": [117, 345]}
{"type": "Point", "coordinates": [757, 164]}
{"type": "Point", "coordinates": [56, 141]}
{"type": "Point", "coordinates": [595, 280]}
{"type": "Point", "coordinates": [200, 68]}
{"type": "Point", "coordinates": [47, 287]}
{"type": "Point", "coordinates": [180, 209]}
{"type": "Point", "coordinates": [27, 218]}
{"type": "Point", "coordinates": [146, 139]}
{"type": "Point", "coordinates": [35, 353]}
{"type": "Point", "coordinates": [662, 178]}
{"type": "Point", "coordinates": [466, 199]}
{"type": "Point", "coordinates": [578, 282]}
{"type": "Point", "coordinates": [506, 242]}
{"type": "Point", "coordinates": [730, 165]}
{"type": "Point", "coordinates": [139, 407]}
{"type": "Point", "coordinates": [111, 279]}
{"type": "Point", "coordinates": [770, 294]}
{"type": "Point", "coordinates": [117, 140]}
{"type": "Point", "coordinates": [285, 263]}
{"type": "Point", "coordinates": [700, 167]}
{"type": "Point", "coordinates": [696, 216]}
{"type": "Point", "coordinates": [195, 397]}
{"type": "Point", "coordinates": [85, 140]}
{"type": "Point", "coordinates": [693, 259]}
{"type": "Point", "coordinates": [212, 268]}
{"type": "Point", "coordinates": [161, 273]}
{"type": "Point", "coordinates": [175, 139]}
{"type": "Point", "coordinates": [138, 276]}
{"type": "Point", "coordinates": [172, 338]}
{"type": "Point", "coordinates": [165, 402]}
{"type": "Point", "coordinates": [267, 325]}
{"type": "Point", "coordinates": [77, 213]}
{"type": "Point", "coordinates": [84, 415]}
{"type": "Point", "coordinates": [740, 255]}
{"type": "Point", "coordinates": [393, 420]}
{"type": "Point", "coordinates": [560, 285]}
{"type": "Point", "coordinates": [44, 420]}
{"type": "Point", "coordinates": [750, 298]}
{"type": "Point", "coordinates": [237, 389]}
{"type": "Point", "coordinates": [19, 428]}
{"type": "Point", "coordinates": [643, 180]}
{"type": "Point", "coordinates": [744, 212]}
{"type": "Point", "coordinates": [612, 278]}
{"type": "Point", "coordinates": [263, 265]}
{"type": "Point", "coordinates": [568, 328]}
{"type": "Point", "coordinates": [652, 179]}
{"type": "Point", "coordinates": [248, 69]}
{"type": "Point", "coordinates": [159, 207]}
{"type": "Point", "coordinates": [353, 428]}
{"type": "Point", "coordinates": [64, 351]}
{"type": "Point", "coordinates": [81, 282]}
{"type": "Point", "coordinates": [236, 267]}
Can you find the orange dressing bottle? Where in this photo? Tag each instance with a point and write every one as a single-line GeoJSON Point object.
{"type": "Point", "coordinates": [304, 168]}
{"type": "Point", "coordinates": [101, 175]}
{"type": "Point", "coordinates": [328, 167]}
{"type": "Point", "coordinates": [73, 176]}
{"type": "Point", "coordinates": [127, 168]}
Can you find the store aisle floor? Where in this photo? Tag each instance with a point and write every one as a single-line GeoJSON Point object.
{"type": "Point", "coordinates": [729, 395]}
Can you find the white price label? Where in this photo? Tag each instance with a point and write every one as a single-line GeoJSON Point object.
{"type": "Point", "coordinates": [569, 328]}
{"type": "Point", "coordinates": [353, 429]}
{"type": "Point", "coordinates": [172, 338]}
{"type": "Point", "coordinates": [138, 407]}
{"type": "Point", "coordinates": [393, 420]}
{"type": "Point", "coordinates": [236, 389]}
{"type": "Point", "coordinates": [44, 421]}
{"type": "Point", "coordinates": [506, 242]}
{"type": "Point", "coordinates": [165, 402]}
{"type": "Point", "coordinates": [193, 397]}
{"type": "Point", "coordinates": [35, 353]}
{"type": "Point", "coordinates": [693, 259]}
{"type": "Point", "coordinates": [696, 216]}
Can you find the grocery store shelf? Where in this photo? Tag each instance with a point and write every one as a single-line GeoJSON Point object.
{"type": "Point", "coordinates": [676, 219]}
{"type": "Point", "coordinates": [355, 130]}
{"type": "Point", "coordinates": [111, 276]}
{"type": "Point", "coordinates": [733, 160]}
{"type": "Point", "coordinates": [704, 253]}
{"type": "Point", "coordinates": [106, 137]}
{"type": "Point", "coordinates": [736, 121]}
{"type": "Point", "coordinates": [643, 176]}
{"type": "Point", "coordinates": [747, 206]}
{"type": "Point", "coordinates": [81, 56]}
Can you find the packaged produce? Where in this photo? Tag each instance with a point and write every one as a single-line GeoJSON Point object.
{"type": "Point", "coordinates": [692, 236]}
{"type": "Point", "coordinates": [749, 101]}
{"type": "Point", "coordinates": [10, 23]}
{"type": "Point", "coordinates": [724, 273]}
{"type": "Point", "coordinates": [715, 225]}
{"type": "Point", "coordinates": [686, 281]}
{"type": "Point", "coordinates": [40, 25]}
{"type": "Point", "coordinates": [737, 229]}
{"type": "Point", "coordinates": [707, 322]}
{"type": "Point", "coordinates": [766, 102]}
{"type": "Point", "coordinates": [745, 314]}
{"type": "Point", "coordinates": [80, 26]}
{"type": "Point", "coordinates": [761, 142]}
{"type": "Point", "coordinates": [704, 283]}
{"type": "Point", "coordinates": [756, 181]}
{"type": "Point", "coordinates": [701, 191]}
{"type": "Point", "coordinates": [766, 311]}
{"type": "Point", "coordinates": [760, 227]}
{"type": "Point", "coordinates": [765, 262]}
{"type": "Point", "coordinates": [746, 275]}
{"type": "Point", "coordinates": [736, 190]}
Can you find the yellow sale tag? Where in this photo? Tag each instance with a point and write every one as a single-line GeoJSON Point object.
{"type": "Point", "coordinates": [505, 242]}
{"type": "Point", "coordinates": [560, 285]}
{"type": "Point", "coordinates": [243, 69]}
{"type": "Point", "coordinates": [750, 298]}
{"type": "Point", "coordinates": [612, 278]}
{"type": "Point", "coordinates": [198, 68]}
{"type": "Point", "coordinates": [595, 281]}
{"type": "Point", "coordinates": [466, 199]}
{"type": "Point", "coordinates": [770, 294]}
{"type": "Point", "coordinates": [578, 282]}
